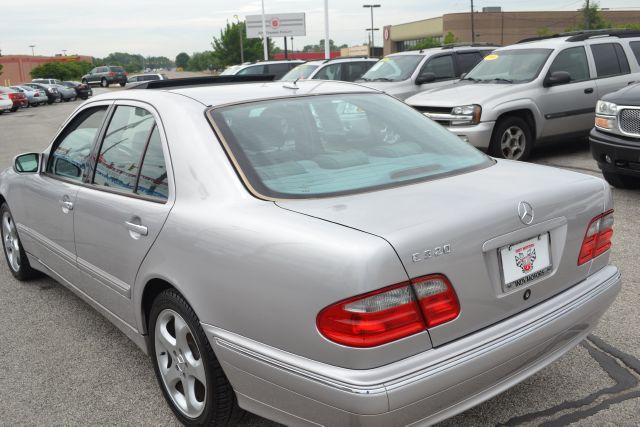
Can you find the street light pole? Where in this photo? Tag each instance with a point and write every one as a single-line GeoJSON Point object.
{"type": "Point", "coordinates": [241, 32]}
{"type": "Point", "coordinates": [265, 40]}
{"type": "Point", "coordinates": [327, 47]}
{"type": "Point", "coordinates": [473, 29]}
{"type": "Point", "coordinates": [32, 51]}
{"type": "Point", "coordinates": [372, 44]}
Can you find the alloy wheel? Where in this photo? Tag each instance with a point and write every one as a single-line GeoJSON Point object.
{"type": "Point", "coordinates": [180, 363]}
{"type": "Point", "coordinates": [513, 143]}
{"type": "Point", "coordinates": [10, 241]}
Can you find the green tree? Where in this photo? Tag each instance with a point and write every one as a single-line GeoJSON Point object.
{"type": "Point", "coordinates": [61, 70]}
{"type": "Point", "coordinates": [428, 43]}
{"type": "Point", "coordinates": [226, 48]}
{"type": "Point", "coordinates": [201, 61]}
{"type": "Point", "coordinates": [182, 60]}
{"type": "Point", "coordinates": [320, 46]}
{"type": "Point", "coordinates": [590, 18]}
{"type": "Point", "coordinates": [450, 38]}
{"type": "Point", "coordinates": [132, 63]}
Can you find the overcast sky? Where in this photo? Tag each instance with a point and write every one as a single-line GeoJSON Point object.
{"type": "Point", "coordinates": [167, 27]}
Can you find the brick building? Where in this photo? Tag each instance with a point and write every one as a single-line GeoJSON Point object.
{"type": "Point", "coordinates": [498, 27]}
{"type": "Point", "coordinates": [17, 68]}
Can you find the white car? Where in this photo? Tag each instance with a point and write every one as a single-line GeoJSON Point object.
{"type": "Point", "coordinates": [6, 104]}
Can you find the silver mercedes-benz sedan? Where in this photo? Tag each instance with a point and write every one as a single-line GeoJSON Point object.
{"type": "Point", "coordinates": [317, 253]}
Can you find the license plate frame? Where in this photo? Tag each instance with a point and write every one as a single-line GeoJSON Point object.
{"type": "Point", "coordinates": [514, 276]}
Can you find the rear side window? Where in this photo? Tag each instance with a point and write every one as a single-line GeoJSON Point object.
{"type": "Point", "coordinates": [635, 47]}
{"type": "Point", "coordinates": [69, 157]}
{"type": "Point", "coordinates": [121, 151]}
{"type": "Point", "coordinates": [153, 180]}
{"type": "Point", "coordinates": [441, 66]}
{"type": "Point", "coordinates": [355, 70]}
{"type": "Point", "coordinates": [468, 60]}
{"type": "Point", "coordinates": [610, 59]}
{"type": "Point", "coordinates": [574, 62]}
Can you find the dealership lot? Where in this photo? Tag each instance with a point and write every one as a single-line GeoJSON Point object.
{"type": "Point", "coordinates": [65, 364]}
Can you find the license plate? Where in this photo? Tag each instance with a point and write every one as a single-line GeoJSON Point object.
{"type": "Point", "coordinates": [524, 262]}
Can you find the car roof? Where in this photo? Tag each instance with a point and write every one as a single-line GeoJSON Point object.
{"type": "Point", "coordinates": [448, 48]}
{"type": "Point", "coordinates": [233, 93]}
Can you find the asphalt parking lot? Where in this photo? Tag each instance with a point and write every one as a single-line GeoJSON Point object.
{"type": "Point", "coordinates": [61, 363]}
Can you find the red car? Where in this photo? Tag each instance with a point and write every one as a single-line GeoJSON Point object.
{"type": "Point", "coordinates": [19, 99]}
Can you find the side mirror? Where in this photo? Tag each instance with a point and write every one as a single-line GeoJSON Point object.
{"type": "Point", "coordinates": [27, 163]}
{"type": "Point", "coordinates": [425, 78]}
{"type": "Point", "coordinates": [557, 78]}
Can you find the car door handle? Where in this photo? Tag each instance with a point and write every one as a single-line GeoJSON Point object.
{"type": "Point", "coordinates": [136, 228]}
{"type": "Point", "coordinates": [588, 90]}
{"type": "Point", "coordinates": [66, 205]}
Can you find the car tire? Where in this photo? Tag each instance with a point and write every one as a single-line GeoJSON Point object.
{"type": "Point", "coordinates": [104, 82]}
{"type": "Point", "coordinates": [14, 109]}
{"type": "Point", "coordinates": [123, 84]}
{"type": "Point", "coordinates": [624, 182]}
{"type": "Point", "coordinates": [12, 247]}
{"type": "Point", "coordinates": [512, 139]}
{"type": "Point", "coordinates": [188, 361]}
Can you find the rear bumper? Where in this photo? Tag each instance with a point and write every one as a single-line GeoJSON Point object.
{"type": "Point", "coordinates": [478, 135]}
{"type": "Point", "coordinates": [624, 152]}
{"type": "Point", "coordinates": [424, 388]}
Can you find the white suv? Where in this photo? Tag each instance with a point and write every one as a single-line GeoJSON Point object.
{"type": "Point", "coordinates": [345, 68]}
{"type": "Point", "coordinates": [538, 90]}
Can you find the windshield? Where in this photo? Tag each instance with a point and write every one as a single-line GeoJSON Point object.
{"type": "Point", "coordinates": [327, 145]}
{"type": "Point", "coordinates": [230, 70]}
{"type": "Point", "coordinates": [510, 66]}
{"type": "Point", "coordinates": [301, 72]}
{"type": "Point", "coordinates": [393, 68]}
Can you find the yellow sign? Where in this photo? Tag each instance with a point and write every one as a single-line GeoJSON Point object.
{"type": "Point", "coordinates": [491, 57]}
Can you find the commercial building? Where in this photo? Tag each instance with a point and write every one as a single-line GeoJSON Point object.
{"type": "Point", "coordinates": [492, 25]}
{"type": "Point", "coordinates": [17, 68]}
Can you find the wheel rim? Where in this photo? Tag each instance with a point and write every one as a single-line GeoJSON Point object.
{"type": "Point", "coordinates": [180, 363]}
{"type": "Point", "coordinates": [513, 143]}
{"type": "Point", "coordinates": [10, 242]}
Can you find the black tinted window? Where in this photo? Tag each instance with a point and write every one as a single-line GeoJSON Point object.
{"type": "Point", "coordinates": [356, 70]}
{"type": "Point", "coordinates": [468, 60]}
{"type": "Point", "coordinates": [610, 59]}
{"type": "Point", "coordinates": [121, 151]}
{"type": "Point", "coordinates": [441, 66]}
{"type": "Point", "coordinates": [69, 157]}
{"type": "Point", "coordinates": [278, 70]}
{"type": "Point", "coordinates": [635, 47]}
{"type": "Point", "coordinates": [574, 62]}
{"type": "Point", "coordinates": [256, 69]}
{"type": "Point", "coordinates": [330, 72]}
{"type": "Point", "coordinates": [153, 175]}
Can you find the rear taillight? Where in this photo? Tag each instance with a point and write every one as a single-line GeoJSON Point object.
{"type": "Point", "coordinates": [597, 239]}
{"type": "Point", "coordinates": [390, 313]}
{"type": "Point", "coordinates": [111, 74]}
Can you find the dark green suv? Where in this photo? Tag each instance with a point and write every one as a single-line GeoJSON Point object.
{"type": "Point", "coordinates": [106, 75]}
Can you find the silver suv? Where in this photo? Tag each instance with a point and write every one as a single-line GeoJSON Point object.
{"type": "Point", "coordinates": [536, 91]}
{"type": "Point", "coordinates": [275, 68]}
{"type": "Point", "coordinates": [406, 73]}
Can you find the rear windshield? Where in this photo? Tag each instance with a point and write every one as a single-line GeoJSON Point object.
{"type": "Point", "coordinates": [319, 146]}
{"type": "Point", "coordinates": [116, 69]}
{"type": "Point", "coordinates": [393, 68]}
{"type": "Point", "coordinates": [300, 72]}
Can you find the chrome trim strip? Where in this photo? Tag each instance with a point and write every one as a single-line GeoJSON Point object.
{"type": "Point", "coordinates": [48, 244]}
{"type": "Point", "coordinates": [374, 389]}
{"type": "Point", "coordinates": [105, 278]}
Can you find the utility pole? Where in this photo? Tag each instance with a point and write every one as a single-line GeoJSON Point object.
{"type": "Point", "coordinates": [32, 51]}
{"type": "Point", "coordinates": [327, 50]}
{"type": "Point", "coordinates": [241, 32]}
{"type": "Point", "coordinates": [473, 28]}
{"type": "Point", "coordinates": [372, 44]}
{"type": "Point", "coordinates": [587, 24]}
{"type": "Point", "coordinates": [264, 35]}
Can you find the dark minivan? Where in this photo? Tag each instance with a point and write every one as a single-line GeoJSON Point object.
{"type": "Point", "coordinates": [106, 75]}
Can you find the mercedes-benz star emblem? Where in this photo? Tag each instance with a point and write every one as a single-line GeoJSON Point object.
{"type": "Point", "coordinates": [525, 212]}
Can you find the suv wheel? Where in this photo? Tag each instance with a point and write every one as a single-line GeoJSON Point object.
{"type": "Point", "coordinates": [512, 139]}
{"type": "Point", "coordinates": [123, 84]}
{"type": "Point", "coordinates": [621, 181]}
{"type": "Point", "coordinates": [190, 376]}
{"type": "Point", "coordinates": [104, 82]}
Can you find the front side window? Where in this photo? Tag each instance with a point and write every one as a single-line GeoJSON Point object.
{"type": "Point", "coordinates": [121, 151]}
{"type": "Point", "coordinates": [326, 145]}
{"type": "Point", "coordinates": [330, 72]}
{"type": "Point", "coordinates": [441, 66]}
{"type": "Point", "coordinates": [69, 157]}
{"type": "Point", "coordinates": [510, 66]}
{"type": "Point", "coordinates": [610, 59]}
{"type": "Point", "coordinates": [393, 68]}
{"type": "Point", "coordinates": [574, 62]}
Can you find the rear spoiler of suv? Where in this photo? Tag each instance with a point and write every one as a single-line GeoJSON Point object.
{"type": "Point", "coordinates": [578, 36]}
{"type": "Point", "coordinates": [201, 81]}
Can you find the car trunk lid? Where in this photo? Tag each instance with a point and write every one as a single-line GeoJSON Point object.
{"type": "Point", "coordinates": [467, 226]}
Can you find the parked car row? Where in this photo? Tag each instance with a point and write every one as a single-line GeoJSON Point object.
{"type": "Point", "coordinates": [41, 92]}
